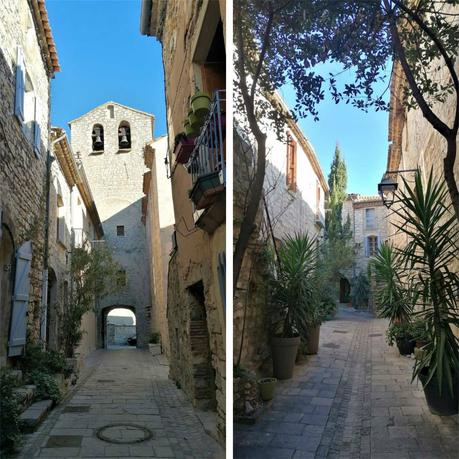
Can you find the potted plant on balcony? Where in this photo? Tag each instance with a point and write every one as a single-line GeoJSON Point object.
{"type": "Point", "coordinates": [293, 301]}
{"type": "Point", "coordinates": [200, 104]}
{"type": "Point", "coordinates": [426, 217]}
{"type": "Point", "coordinates": [183, 148]}
{"type": "Point", "coordinates": [206, 189]}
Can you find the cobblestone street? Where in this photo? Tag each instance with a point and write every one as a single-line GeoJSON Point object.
{"type": "Point", "coordinates": [351, 400]}
{"type": "Point", "coordinates": [125, 390]}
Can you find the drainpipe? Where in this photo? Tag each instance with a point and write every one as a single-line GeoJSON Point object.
{"type": "Point", "coordinates": [44, 293]}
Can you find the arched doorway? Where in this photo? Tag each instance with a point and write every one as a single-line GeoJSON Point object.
{"type": "Point", "coordinates": [119, 327]}
{"type": "Point", "coordinates": [7, 264]}
{"type": "Point", "coordinates": [344, 290]}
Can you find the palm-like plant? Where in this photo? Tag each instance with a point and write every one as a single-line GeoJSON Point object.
{"type": "Point", "coordinates": [394, 296]}
{"type": "Point", "coordinates": [295, 297]}
{"type": "Point", "coordinates": [428, 220]}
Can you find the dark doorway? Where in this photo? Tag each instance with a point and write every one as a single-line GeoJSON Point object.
{"type": "Point", "coordinates": [203, 371]}
{"type": "Point", "coordinates": [344, 290]}
{"type": "Point", "coordinates": [6, 289]}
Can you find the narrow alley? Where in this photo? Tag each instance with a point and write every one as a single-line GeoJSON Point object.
{"type": "Point", "coordinates": [126, 398]}
{"type": "Point", "coordinates": [351, 400]}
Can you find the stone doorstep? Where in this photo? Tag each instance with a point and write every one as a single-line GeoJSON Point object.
{"type": "Point", "coordinates": [35, 414]}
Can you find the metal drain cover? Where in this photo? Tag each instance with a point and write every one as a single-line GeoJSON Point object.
{"type": "Point", "coordinates": [124, 433]}
{"type": "Point", "coordinates": [339, 331]}
{"type": "Point", "coordinates": [105, 380]}
{"type": "Point", "coordinates": [374, 335]}
{"type": "Point", "coordinates": [331, 345]}
{"type": "Point", "coordinates": [76, 409]}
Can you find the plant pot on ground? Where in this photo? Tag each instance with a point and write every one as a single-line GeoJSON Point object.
{"type": "Point", "coordinates": [294, 300]}
{"type": "Point", "coordinates": [424, 214]}
{"type": "Point", "coordinates": [402, 336]}
{"type": "Point", "coordinates": [313, 339]}
{"type": "Point", "coordinates": [267, 387]}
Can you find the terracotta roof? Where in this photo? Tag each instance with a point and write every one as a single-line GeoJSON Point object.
{"type": "Point", "coordinates": [42, 15]}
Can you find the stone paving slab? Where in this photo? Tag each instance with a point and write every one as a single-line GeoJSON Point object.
{"type": "Point", "coordinates": [352, 400]}
{"type": "Point", "coordinates": [140, 394]}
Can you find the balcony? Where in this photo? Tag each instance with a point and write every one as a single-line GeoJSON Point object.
{"type": "Point", "coordinates": [207, 167]}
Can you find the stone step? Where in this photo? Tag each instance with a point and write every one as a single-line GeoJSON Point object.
{"type": "Point", "coordinates": [35, 414]}
{"type": "Point", "coordinates": [25, 394]}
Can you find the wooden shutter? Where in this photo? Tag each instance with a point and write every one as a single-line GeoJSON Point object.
{"type": "Point", "coordinates": [221, 270]}
{"type": "Point", "coordinates": [18, 330]}
{"type": "Point", "coordinates": [291, 163]}
{"type": "Point", "coordinates": [20, 86]}
{"type": "Point", "coordinates": [37, 130]}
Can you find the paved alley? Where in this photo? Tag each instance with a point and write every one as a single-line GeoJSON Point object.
{"type": "Point", "coordinates": [351, 400]}
{"type": "Point", "coordinates": [124, 398]}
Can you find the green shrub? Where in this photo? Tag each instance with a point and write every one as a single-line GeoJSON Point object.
{"type": "Point", "coordinates": [47, 387]}
{"type": "Point", "coordinates": [399, 331]}
{"type": "Point", "coordinates": [10, 410]}
{"type": "Point", "coordinates": [45, 361]}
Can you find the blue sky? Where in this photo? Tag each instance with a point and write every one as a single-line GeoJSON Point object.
{"type": "Point", "coordinates": [361, 136]}
{"type": "Point", "coordinates": [104, 57]}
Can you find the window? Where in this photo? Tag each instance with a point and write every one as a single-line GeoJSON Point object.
{"type": "Point", "coordinates": [111, 111]}
{"type": "Point", "coordinates": [124, 136]}
{"type": "Point", "coordinates": [121, 278]}
{"type": "Point", "coordinates": [120, 230]}
{"type": "Point", "coordinates": [371, 246]}
{"type": "Point", "coordinates": [97, 138]}
{"type": "Point", "coordinates": [370, 220]}
{"type": "Point", "coordinates": [291, 163]}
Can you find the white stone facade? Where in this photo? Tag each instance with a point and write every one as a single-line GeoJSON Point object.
{"type": "Point", "coordinates": [369, 222]}
{"type": "Point", "coordinates": [115, 177]}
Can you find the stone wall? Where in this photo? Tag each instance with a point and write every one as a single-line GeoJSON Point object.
{"type": "Point", "coordinates": [186, 31]}
{"type": "Point", "coordinates": [22, 172]}
{"type": "Point", "coordinates": [115, 178]}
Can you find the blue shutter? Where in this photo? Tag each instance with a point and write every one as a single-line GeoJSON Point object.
{"type": "Point", "coordinates": [18, 330]}
{"type": "Point", "coordinates": [367, 247]}
{"type": "Point", "coordinates": [20, 86]}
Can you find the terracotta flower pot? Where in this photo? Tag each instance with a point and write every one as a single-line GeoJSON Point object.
{"type": "Point", "coordinates": [284, 352]}
{"type": "Point", "coordinates": [313, 340]}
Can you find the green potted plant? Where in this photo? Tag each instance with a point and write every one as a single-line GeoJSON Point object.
{"type": "Point", "coordinates": [155, 344]}
{"type": "Point", "coordinates": [267, 387]}
{"type": "Point", "coordinates": [200, 104]}
{"type": "Point", "coordinates": [426, 217]}
{"type": "Point", "coordinates": [402, 335]}
{"type": "Point", "coordinates": [292, 298]}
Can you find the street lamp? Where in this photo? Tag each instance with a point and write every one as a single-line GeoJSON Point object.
{"type": "Point", "coordinates": [388, 186]}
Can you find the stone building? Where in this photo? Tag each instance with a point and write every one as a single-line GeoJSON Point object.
{"type": "Point", "coordinates": [192, 37]}
{"type": "Point", "coordinates": [28, 61]}
{"type": "Point", "coordinates": [295, 190]}
{"type": "Point", "coordinates": [109, 141]}
{"type": "Point", "coordinates": [368, 219]}
{"type": "Point", "coordinates": [158, 214]}
{"type": "Point", "coordinates": [73, 222]}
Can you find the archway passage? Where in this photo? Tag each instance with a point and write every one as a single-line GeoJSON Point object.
{"type": "Point", "coordinates": [344, 290]}
{"type": "Point", "coordinates": [119, 327]}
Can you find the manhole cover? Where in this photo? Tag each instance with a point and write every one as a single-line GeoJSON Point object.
{"type": "Point", "coordinates": [64, 441]}
{"type": "Point", "coordinates": [76, 409]}
{"type": "Point", "coordinates": [339, 331]}
{"type": "Point", "coordinates": [124, 433]}
{"type": "Point", "coordinates": [332, 345]}
{"type": "Point", "coordinates": [374, 335]}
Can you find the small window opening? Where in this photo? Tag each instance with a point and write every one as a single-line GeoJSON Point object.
{"type": "Point", "coordinates": [120, 230]}
{"type": "Point", "coordinates": [111, 111]}
{"type": "Point", "coordinates": [121, 278]}
{"type": "Point", "coordinates": [97, 138]}
{"type": "Point", "coordinates": [124, 136]}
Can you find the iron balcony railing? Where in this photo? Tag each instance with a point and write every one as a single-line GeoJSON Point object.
{"type": "Point", "coordinates": [208, 156]}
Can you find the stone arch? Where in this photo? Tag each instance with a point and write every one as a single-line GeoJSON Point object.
{"type": "Point", "coordinates": [103, 321]}
{"type": "Point", "coordinates": [7, 270]}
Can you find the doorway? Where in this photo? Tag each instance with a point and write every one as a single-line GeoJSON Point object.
{"type": "Point", "coordinates": [119, 327]}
